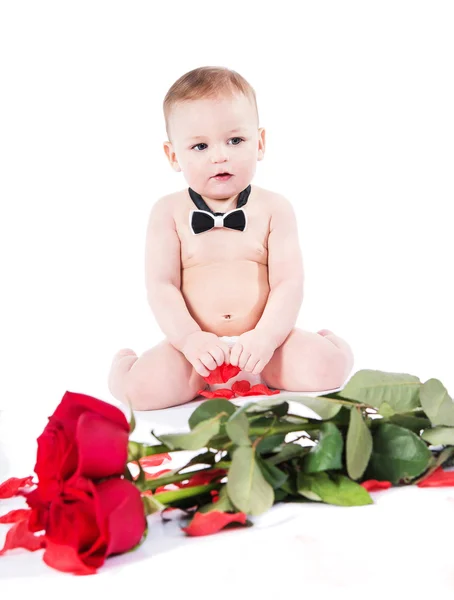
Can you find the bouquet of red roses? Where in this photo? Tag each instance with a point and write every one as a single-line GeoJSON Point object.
{"type": "Point", "coordinates": [382, 429]}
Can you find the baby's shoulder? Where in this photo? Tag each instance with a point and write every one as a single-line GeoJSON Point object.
{"type": "Point", "coordinates": [275, 202]}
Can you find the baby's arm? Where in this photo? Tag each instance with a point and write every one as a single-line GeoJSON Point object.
{"type": "Point", "coordinates": [163, 276]}
{"type": "Point", "coordinates": [285, 274]}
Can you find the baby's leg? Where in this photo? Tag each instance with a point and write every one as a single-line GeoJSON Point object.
{"type": "Point", "coordinates": [309, 362]}
{"type": "Point", "coordinates": [161, 377]}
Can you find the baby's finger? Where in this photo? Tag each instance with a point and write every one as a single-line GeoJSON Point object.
{"type": "Point", "coordinates": [200, 368]}
{"type": "Point", "coordinates": [208, 361]}
{"type": "Point", "coordinates": [226, 353]}
{"type": "Point", "coordinates": [218, 354]}
{"type": "Point", "coordinates": [251, 364]}
{"type": "Point", "coordinates": [244, 357]}
{"type": "Point", "coordinates": [235, 352]}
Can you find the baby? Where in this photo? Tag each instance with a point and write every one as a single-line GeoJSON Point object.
{"type": "Point", "coordinates": [223, 266]}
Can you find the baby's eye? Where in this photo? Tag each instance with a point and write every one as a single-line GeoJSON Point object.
{"type": "Point", "coordinates": [203, 144]}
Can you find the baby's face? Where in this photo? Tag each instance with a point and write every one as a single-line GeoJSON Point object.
{"type": "Point", "coordinates": [203, 144]}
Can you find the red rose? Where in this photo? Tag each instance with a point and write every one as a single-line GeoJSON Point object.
{"type": "Point", "coordinates": [87, 522]}
{"type": "Point", "coordinates": [85, 437]}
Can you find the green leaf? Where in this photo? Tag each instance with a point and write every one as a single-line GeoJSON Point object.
{"type": "Point", "coordinates": [359, 445]}
{"type": "Point", "coordinates": [333, 489]}
{"type": "Point", "coordinates": [304, 487]}
{"type": "Point", "coordinates": [194, 440]}
{"type": "Point", "coordinates": [288, 452]}
{"type": "Point", "coordinates": [276, 405]}
{"type": "Point", "coordinates": [439, 436]}
{"type": "Point", "coordinates": [400, 391]}
{"type": "Point", "coordinates": [327, 454]}
{"type": "Point", "coordinates": [437, 403]}
{"type": "Point", "coordinates": [386, 410]}
{"type": "Point", "coordinates": [211, 408]}
{"type": "Point", "coordinates": [325, 409]}
{"type": "Point", "coordinates": [151, 505]}
{"type": "Point", "coordinates": [397, 454]}
{"type": "Point", "coordinates": [237, 428]}
{"type": "Point", "coordinates": [412, 422]}
{"type": "Point", "coordinates": [175, 496]}
{"type": "Point", "coordinates": [205, 458]}
{"type": "Point", "coordinates": [246, 486]}
{"type": "Point", "coordinates": [223, 503]}
{"type": "Point", "coordinates": [270, 443]}
{"type": "Point", "coordinates": [274, 476]}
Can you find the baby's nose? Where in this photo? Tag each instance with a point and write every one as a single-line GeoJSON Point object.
{"type": "Point", "coordinates": [218, 155]}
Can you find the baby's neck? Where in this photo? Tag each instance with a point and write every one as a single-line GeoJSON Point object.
{"type": "Point", "coordinates": [222, 205]}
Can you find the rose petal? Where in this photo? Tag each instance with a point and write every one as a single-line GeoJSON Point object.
{"type": "Point", "coordinates": [211, 522]}
{"type": "Point", "coordinates": [221, 374]}
{"type": "Point", "coordinates": [11, 486]}
{"type": "Point", "coordinates": [72, 405]}
{"type": "Point", "coordinates": [19, 536]}
{"type": "Point", "coordinates": [154, 460]}
{"type": "Point", "coordinates": [439, 478]}
{"type": "Point", "coordinates": [120, 505]}
{"type": "Point", "coordinates": [202, 478]}
{"type": "Point", "coordinates": [16, 515]}
{"type": "Point", "coordinates": [373, 485]}
{"type": "Point", "coordinates": [66, 559]}
{"type": "Point", "coordinates": [157, 474]}
{"type": "Point", "coordinates": [261, 389]}
{"type": "Point", "coordinates": [240, 388]}
{"type": "Point", "coordinates": [220, 393]}
{"type": "Point", "coordinates": [102, 447]}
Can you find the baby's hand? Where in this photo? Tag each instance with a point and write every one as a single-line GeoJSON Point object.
{"type": "Point", "coordinates": [252, 351]}
{"type": "Point", "coordinates": [205, 351]}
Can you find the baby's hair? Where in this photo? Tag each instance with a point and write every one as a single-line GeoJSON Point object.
{"type": "Point", "coordinates": [206, 82]}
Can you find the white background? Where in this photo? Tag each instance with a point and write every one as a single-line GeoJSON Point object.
{"type": "Point", "coordinates": [357, 102]}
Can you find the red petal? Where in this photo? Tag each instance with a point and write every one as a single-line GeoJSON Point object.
{"type": "Point", "coordinates": [154, 460]}
{"type": "Point", "coordinates": [15, 515]}
{"type": "Point", "coordinates": [202, 478]}
{"type": "Point", "coordinates": [19, 536]}
{"type": "Point", "coordinates": [102, 446]}
{"type": "Point", "coordinates": [72, 405]}
{"type": "Point", "coordinates": [66, 559]}
{"type": "Point", "coordinates": [373, 485]}
{"type": "Point", "coordinates": [439, 478]}
{"type": "Point", "coordinates": [212, 522]}
{"type": "Point", "coordinates": [170, 487]}
{"type": "Point", "coordinates": [221, 393]}
{"type": "Point", "coordinates": [222, 374]}
{"type": "Point", "coordinates": [241, 387]}
{"type": "Point", "coordinates": [261, 389]}
{"type": "Point", "coordinates": [228, 371]}
{"type": "Point", "coordinates": [157, 474]}
{"type": "Point", "coordinates": [121, 506]}
{"type": "Point", "coordinates": [11, 487]}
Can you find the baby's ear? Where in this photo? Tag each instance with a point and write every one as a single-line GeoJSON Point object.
{"type": "Point", "coordinates": [261, 149]}
{"type": "Point", "coordinates": [171, 156]}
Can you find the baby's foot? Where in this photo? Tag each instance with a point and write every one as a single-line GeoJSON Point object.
{"type": "Point", "coordinates": [324, 332]}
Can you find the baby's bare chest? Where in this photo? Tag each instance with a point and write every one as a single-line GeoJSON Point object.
{"type": "Point", "coordinates": [222, 244]}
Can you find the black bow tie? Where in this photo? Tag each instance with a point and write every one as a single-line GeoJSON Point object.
{"type": "Point", "coordinates": [201, 220]}
{"type": "Point", "coordinates": [205, 219]}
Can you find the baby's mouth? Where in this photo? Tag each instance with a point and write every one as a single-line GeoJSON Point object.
{"type": "Point", "coordinates": [222, 176]}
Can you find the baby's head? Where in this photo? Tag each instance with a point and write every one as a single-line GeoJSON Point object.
{"type": "Point", "coordinates": [212, 126]}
